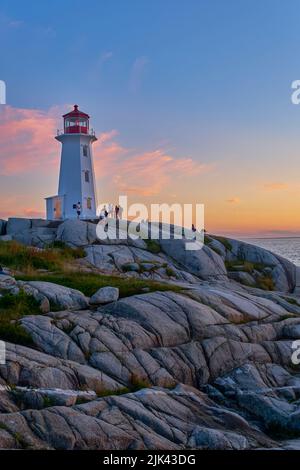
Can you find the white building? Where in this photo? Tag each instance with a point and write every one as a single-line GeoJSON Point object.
{"type": "Point", "coordinates": [76, 177]}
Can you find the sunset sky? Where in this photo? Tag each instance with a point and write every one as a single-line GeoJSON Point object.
{"type": "Point", "coordinates": [190, 101]}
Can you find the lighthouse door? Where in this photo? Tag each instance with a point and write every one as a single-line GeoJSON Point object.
{"type": "Point", "coordinates": [57, 208]}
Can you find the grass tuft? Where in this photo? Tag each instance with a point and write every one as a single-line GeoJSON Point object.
{"type": "Point", "coordinates": [12, 308]}
{"type": "Point", "coordinates": [153, 246]}
{"type": "Point", "coordinates": [27, 258]}
{"type": "Point", "coordinates": [89, 283]}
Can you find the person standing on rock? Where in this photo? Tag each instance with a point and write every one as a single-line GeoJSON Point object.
{"type": "Point", "coordinates": [110, 211]}
{"type": "Point", "coordinates": [78, 209]}
{"type": "Point", "coordinates": [117, 208]}
{"type": "Point", "coordinates": [103, 213]}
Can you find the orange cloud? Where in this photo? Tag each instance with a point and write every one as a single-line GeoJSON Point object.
{"type": "Point", "coordinates": [146, 173]}
{"type": "Point", "coordinates": [233, 200]}
{"type": "Point", "coordinates": [275, 186]}
{"type": "Point", "coordinates": [26, 140]}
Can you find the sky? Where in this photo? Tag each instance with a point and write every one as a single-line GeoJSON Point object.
{"type": "Point", "coordinates": [190, 101]}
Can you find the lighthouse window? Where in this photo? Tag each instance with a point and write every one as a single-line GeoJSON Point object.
{"type": "Point", "coordinates": [87, 176]}
{"type": "Point", "coordinates": [85, 150]}
{"type": "Point", "coordinates": [89, 203]}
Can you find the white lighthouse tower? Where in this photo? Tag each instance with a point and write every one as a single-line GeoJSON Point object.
{"type": "Point", "coordinates": [76, 177]}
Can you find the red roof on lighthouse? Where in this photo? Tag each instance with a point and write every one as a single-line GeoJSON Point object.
{"type": "Point", "coordinates": [76, 113]}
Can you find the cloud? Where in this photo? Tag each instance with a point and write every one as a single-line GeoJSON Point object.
{"type": "Point", "coordinates": [141, 173]}
{"type": "Point", "coordinates": [9, 22]}
{"type": "Point", "coordinates": [26, 140]}
{"type": "Point", "coordinates": [275, 186]}
{"type": "Point", "coordinates": [233, 200]}
{"type": "Point", "coordinates": [137, 72]}
{"type": "Point", "coordinates": [105, 56]}
{"type": "Point", "coordinates": [15, 23]}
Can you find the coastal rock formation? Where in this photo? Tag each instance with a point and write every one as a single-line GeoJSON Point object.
{"type": "Point", "coordinates": [207, 365]}
{"type": "Point", "coordinates": [214, 368]}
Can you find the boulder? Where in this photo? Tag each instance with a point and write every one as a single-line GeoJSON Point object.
{"type": "Point", "coordinates": [60, 296]}
{"type": "Point", "coordinates": [213, 439]}
{"type": "Point", "coordinates": [204, 263]}
{"type": "Point", "coordinates": [77, 233]}
{"type": "Point", "coordinates": [105, 295]}
{"type": "Point", "coordinates": [17, 225]}
{"type": "Point", "coordinates": [38, 237]}
{"type": "Point", "coordinates": [9, 284]}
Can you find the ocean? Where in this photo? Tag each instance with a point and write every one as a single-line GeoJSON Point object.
{"type": "Point", "coordinates": [287, 247]}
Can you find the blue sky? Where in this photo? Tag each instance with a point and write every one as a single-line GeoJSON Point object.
{"type": "Point", "coordinates": [203, 79]}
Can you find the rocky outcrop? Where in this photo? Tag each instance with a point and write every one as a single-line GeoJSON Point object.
{"type": "Point", "coordinates": [32, 232]}
{"type": "Point", "coordinates": [265, 265]}
{"type": "Point", "coordinates": [133, 261]}
{"type": "Point", "coordinates": [231, 350]}
{"type": "Point", "coordinates": [58, 296]}
{"type": "Point", "coordinates": [141, 420]}
{"type": "Point", "coordinates": [105, 295]}
{"type": "Point", "coordinates": [206, 367]}
{"type": "Point", "coordinates": [204, 263]}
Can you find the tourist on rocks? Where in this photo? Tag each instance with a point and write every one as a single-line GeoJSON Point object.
{"type": "Point", "coordinates": [103, 212]}
{"type": "Point", "coordinates": [78, 209]}
{"type": "Point", "coordinates": [117, 209]}
{"type": "Point", "coordinates": [110, 210]}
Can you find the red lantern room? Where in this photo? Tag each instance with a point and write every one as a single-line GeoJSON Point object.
{"type": "Point", "coordinates": [76, 122]}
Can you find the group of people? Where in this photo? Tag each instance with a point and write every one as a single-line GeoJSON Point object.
{"type": "Point", "coordinates": [114, 212]}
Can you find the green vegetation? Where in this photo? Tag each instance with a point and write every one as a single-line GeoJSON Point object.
{"type": "Point", "coordinates": [12, 308]}
{"type": "Point", "coordinates": [207, 239]}
{"type": "Point", "coordinates": [48, 401]}
{"type": "Point", "coordinates": [137, 383]}
{"type": "Point", "coordinates": [291, 301]}
{"type": "Point", "coordinates": [107, 393]}
{"type": "Point", "coordinates": [224, 241]}
{"type": "Point", "coordinates": [20, 440]}
{"type": "Point", "coordinates": [89, 283]}
{"type": "Point", "coordinates": [265, 282]}
{"type": "Point", "coordinates": [26, 258]}
{"type": "Point", "coordinates": [242, 265]}
{"type": "Point", "coordinates": [170, 272]}
{"type": "Point", "coordinates": [153, 246]}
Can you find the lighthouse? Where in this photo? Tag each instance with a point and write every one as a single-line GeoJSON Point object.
{"type": "Point", "coordinates": [76, 188]}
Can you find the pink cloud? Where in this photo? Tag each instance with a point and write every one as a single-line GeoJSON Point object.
{"type": "Point", "coordinates": [26, 140]}
{"type": "Point", "coordinates": [146, 173]}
